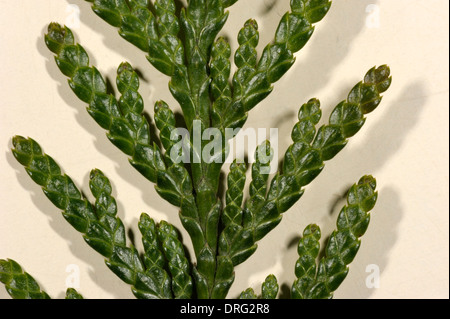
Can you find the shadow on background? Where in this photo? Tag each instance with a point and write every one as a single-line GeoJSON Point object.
{"type": "Point", "coordinates": [380, 144]}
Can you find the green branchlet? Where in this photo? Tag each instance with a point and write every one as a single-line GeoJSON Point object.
{"type": "Point", "coordinates": [344, 242]}
{"type": "Point", "coordinates": [269, 290]}
{"type": "Point", "coordinates": [19, 284]}
{"type": "Point", "coordinates": [99, 224]}
{"type": "Point", "coordinates": [306, 267]}
{"type": "Point", "coordinates": [319, 279]}
{"type": "Point", "coordinates": [177, 262]}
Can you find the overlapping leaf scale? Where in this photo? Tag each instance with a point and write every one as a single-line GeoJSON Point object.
{"type": "Point", "coordinates": [200, 22]}
{"type": "Point", "coordinates": [270, 288]}
{"type": "Point", "coordinates": [18, 283]}
{"type": "Point", "coordinates": [153, 257]}
{"type": "Point", "coordinates": [174, 182]}
{"type": "Point", "coordinates": [306, 266]}
{"type": "Point", "coordinates": [236, 241]}
{"type": "Point", "coordinates": [220, 68]}
{"type": "Point", "coordinates": [233, 113]}
{"type": "Point", "coordinates": [228, 3]}
{"type": "Point", "coordinates": [232, 213]}
{"type": "Point", "coordinates": [166, 124]}
{"type": "Point", "coordinates": [243, 244]}
{"type": "Point", "coordinates": [205, 270]}
{"type": "Point", "coordinates": [178, 264]}
{"type": "Point", "coordinates": [232, 227]}
{"type": "Point", "coordinates": [167, 51]}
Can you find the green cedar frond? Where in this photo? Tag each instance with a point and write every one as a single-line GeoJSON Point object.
{"type": "Point", "coordinates": [183, 43]}
{"type": "Point", "coordinates": [154, 258]}
{"type": "Point", "coordinates": [156, 33]}
{"type": "Point", "coordinates": [306, 267]}
{"type": "Point", "coordinates": [304, 160]}
{"type": "Point", "coordinates": [178, 264]}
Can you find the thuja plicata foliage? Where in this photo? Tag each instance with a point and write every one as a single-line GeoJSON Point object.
{"type": "Point", "coordinates": [182, 42]}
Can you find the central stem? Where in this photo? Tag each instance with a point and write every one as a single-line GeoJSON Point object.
{"type": "Point", "coordinates": [201, 21]}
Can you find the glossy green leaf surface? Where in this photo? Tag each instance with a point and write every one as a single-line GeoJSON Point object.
{"type": "Point", "coordinates": [18, 283]}
{"type": "Point", "coordinates": [306, 267]}
{"type": "Point", "coordinates": [154, 258]}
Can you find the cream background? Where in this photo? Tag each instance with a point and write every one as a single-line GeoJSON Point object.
{"type": "Point", "coordinates": [404, 143]}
